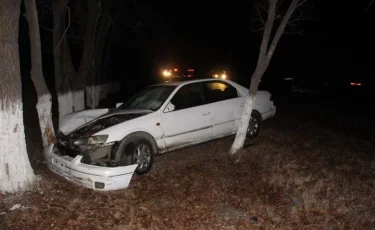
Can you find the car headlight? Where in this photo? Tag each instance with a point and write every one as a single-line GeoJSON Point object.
{"type": "Point", "coordinates": [100, 139]}
{"type": "Point", "coordinates": [93, 140]}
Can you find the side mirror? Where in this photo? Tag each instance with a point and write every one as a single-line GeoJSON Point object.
{"type": "Point", "coordinates": [119, 104]}
{"type": "Point", "coordinates": [169, 108]}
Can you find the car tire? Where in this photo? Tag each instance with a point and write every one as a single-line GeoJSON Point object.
{"type": "Point", "coordinates": [138, 151]}
{"type": "Point", "coordinates": [254, 125]}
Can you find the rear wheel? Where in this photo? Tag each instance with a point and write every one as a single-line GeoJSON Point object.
{"type": "Point", "coordinates": [254, 125]}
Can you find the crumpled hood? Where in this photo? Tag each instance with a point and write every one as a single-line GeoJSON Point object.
{"type": "Point", "coordinates": [72, 121]}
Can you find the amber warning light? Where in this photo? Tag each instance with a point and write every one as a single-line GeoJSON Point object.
{"type": "Point", "coordinates": [355, 84]}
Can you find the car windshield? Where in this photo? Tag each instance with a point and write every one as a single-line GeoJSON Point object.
{"type": "Point", "coordinates": [150, 98]}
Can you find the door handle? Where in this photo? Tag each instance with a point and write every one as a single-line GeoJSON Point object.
{"type": "Point", "coordinates": [205, 114]}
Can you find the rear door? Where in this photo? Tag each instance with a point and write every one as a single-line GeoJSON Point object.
{"type": "Point", "coordinates": [226, 106]}
{"type": "Point", "coordinates": [187, 119]}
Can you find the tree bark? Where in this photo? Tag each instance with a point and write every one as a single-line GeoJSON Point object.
{"type": "Point", "coordinates": [242, 129]}
{"type": "Point", "coordinates": [94, 81]}
{"type": "Point", "coordinates": [267, 32]}
{"type": "Point", "coordinates": [75, 96]}
{"type": "Point", "coordinates": [93, 96]}
{"type": "Point", "coordinates": [265, 55]}
{"type": "Point", "coordinates": [72, 83]}
{"type": "Point", "coordinates": [79, 82]}
{"type": "Point", "coordinates": [16, 173]}
{"type": "Point", "coordinates": [62, 81]}
{"type": "Point", "coordinates": [44, 105]}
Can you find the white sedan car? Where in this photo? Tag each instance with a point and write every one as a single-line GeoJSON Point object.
{"type": "Point", "coordinates": [102, 148]}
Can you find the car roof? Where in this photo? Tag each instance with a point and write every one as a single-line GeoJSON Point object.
{"type": "Point", "coordinates": [184, 82]}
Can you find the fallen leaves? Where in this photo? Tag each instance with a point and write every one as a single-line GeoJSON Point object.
{"type": "Point", "coordinates": [285, 180]}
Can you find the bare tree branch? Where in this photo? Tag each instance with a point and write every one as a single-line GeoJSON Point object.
{"type": "Point", "coordinates": [280, 30]}
{"type": "Point", "coordinates": [298, 5]}
{"type": "Point", "coordinates": [369, 5]}
{"type": "Point", "coordinates": [258, 23]}
{"type": "Point", "coordinates": [267, 31]}
{"type": "Point", "coordinates": [259, 13]}
{"type": "Point", "coordinates": [279, 5]}
{"type": "Point", "coordinates": [66, 29]}
{"type": "Point", "coordinates": [75, 38]}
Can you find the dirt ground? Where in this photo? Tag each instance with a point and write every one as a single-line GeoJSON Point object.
{"type": "Point", "coordinates": [305, 171]}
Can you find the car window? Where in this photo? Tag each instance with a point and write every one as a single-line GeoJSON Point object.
{"type": "Point", "coordinates": [219, 91]}
{"type": "Point", "coordinates": [150, 98]}
{"type": "Point", "coordinates": [188, 96]}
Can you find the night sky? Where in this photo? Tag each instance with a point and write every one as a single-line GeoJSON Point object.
{"type": "Point", "coordinates": [336, 42]}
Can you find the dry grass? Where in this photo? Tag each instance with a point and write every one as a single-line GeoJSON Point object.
{"type": "Point", "coordinates": [296, 175]}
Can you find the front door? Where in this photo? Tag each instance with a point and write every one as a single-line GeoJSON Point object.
{"type": "Point", "coordinates": [187, 119]}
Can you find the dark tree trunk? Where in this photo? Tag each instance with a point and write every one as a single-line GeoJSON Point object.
{"type": "Point", "coordinates": [62, 81]}
{"type": "Point", "coordinates": [80, 80]}
{"type": "Point", "coordinates": [94, 81]}
{"type": "Point", "coordinates": [15, 170]}
{"type": "Point", "coordinates": [44, 105]}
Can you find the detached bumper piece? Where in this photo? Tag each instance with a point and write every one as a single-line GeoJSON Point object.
{"type": "Point", "coordinates": [89, 176]}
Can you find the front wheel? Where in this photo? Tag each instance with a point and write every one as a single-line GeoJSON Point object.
{"type": "Point", "coordinates": [139, 152]}
{"type": "Point", "coordinates": [254, 126]}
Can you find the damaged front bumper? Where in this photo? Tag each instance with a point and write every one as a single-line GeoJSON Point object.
{"type": "Point", "coordinates": [89, 176]}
